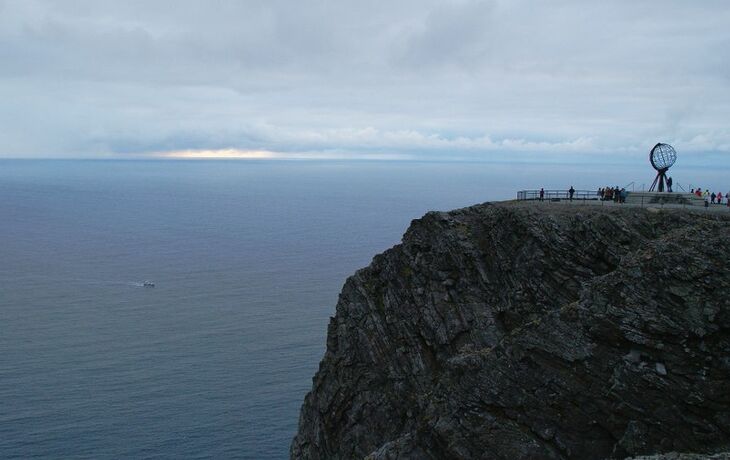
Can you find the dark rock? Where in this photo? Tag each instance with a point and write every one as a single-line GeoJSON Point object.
{"type": "Point", "coordinates": [520, 331]}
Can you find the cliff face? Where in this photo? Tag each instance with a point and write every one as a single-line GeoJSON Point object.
{"type": "Point", "coordinates": [525, 331]}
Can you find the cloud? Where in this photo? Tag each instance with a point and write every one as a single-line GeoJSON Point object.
{"type": "Point", "coordinates": [460, 79]}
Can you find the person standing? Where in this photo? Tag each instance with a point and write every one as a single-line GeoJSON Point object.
{"type": "Point", "coordinates": [542, 193]}
{"type": "Point", "coordinates": [719, 197]}
{"type": "Point", "coordinates": [571, 191]}
{"type": "Point", "coordinates": [669, 184]}
{"type": "Point", "coordinates": [712, 197]}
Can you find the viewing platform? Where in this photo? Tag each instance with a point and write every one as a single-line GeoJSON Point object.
{"type": "Point", "coordinates": [641, 198]}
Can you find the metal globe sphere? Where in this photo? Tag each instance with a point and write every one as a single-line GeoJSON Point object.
{"type": "Point", "coordinates": [662, 156]}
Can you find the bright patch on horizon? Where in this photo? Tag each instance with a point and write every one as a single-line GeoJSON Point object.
{"type": "Point", "coordinates": [221, 153]}
{"type": "Point", "coordinates": [239, 154]}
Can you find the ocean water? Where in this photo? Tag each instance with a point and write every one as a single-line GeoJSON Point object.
{"type": "Point", "coordinates": [248, 258]}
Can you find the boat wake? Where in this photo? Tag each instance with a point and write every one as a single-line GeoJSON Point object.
{"type": "Point", "coordinates": [87, 281]}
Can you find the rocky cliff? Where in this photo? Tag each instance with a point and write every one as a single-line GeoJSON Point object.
{"type": "Point", "coordinates": [531, 330]}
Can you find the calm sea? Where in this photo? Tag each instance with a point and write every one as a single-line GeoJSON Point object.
{"type": "Point", "coordinates": [248, 258]}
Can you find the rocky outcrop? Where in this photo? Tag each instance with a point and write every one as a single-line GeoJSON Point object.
{"type": "Point", "coordinates": [520, 330]}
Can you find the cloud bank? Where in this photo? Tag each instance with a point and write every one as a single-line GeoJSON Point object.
{"type": "Point", "coordinates": [320, 79]}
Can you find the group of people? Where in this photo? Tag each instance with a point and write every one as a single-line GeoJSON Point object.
{"type": "Point", "coordinates": [606, 194]}
{"type": "Point", "coordinates": [711, 197]}
{"type": "Point", "coordinates": [612, 194]}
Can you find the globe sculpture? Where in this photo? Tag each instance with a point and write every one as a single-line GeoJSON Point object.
{"type": "Point", "coordinates": [662, 157]}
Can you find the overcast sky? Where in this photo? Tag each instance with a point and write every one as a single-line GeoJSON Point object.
{"type": "Point", "coordinates": [488, 80]}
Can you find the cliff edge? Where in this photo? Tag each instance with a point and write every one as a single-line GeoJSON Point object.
{"type": "Point", "coordinates": [516, 330]}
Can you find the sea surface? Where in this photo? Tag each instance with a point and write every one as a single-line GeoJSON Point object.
{"type": "Point", "coordinates": [247, 258]}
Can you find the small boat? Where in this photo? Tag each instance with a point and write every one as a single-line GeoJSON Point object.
{"type": "Point", "coordinates": [148, 284]}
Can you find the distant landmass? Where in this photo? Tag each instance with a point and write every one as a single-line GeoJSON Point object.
{"type": "Point", "coordinates": [511, 330]}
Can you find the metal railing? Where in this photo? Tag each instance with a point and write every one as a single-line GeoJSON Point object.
{"type": "Point", "coordinates": [557, 195]}
{"type": "Point", "coordinates": [638, 199]}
